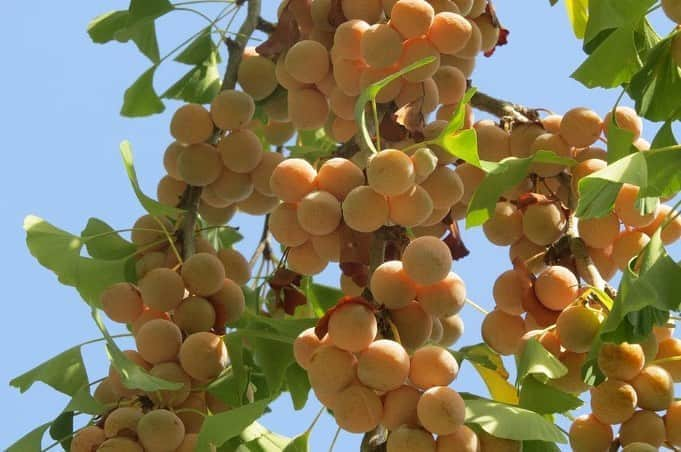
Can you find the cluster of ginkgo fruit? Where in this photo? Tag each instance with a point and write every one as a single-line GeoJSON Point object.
{"type": "Point", "coordinates": [534, 218]}
{"type": "Point", "coordinates": [177, 313]}
{"type": "Point", "coordinates": [334, 53]}
{"type": "Point", "coordinates": [394, 370]}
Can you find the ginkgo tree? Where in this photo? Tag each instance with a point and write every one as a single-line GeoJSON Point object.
{"type": "Point", "coordinates": [350, 131]}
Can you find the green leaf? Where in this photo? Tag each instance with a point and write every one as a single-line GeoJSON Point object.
{"type": "Point", "coordinates": [144, 37]}
{"type": "Point", "coordinates": [321, 297]}
{"type": "Point", "coordinates": [150, 205]}
{"type": "Point", "coordinates": [299, 443]}
{"type": "Point", "coordinates": [606, 15]}
{"type": "Point", "coordinates": [542, 398]}
{"type": "Point", "coordinates": [65, 372]}
{"type": "Point", "coordinates": [62, 429]}
{"type": "Point", "coordinates": [657, 86]}
{"type": "Point", "coordinates": [298, 385]}
{"type": "Point", "coordinates": [459, 116]}
{"type": "Point", "coordinates": [199, 50]}
{"type": "Point", "coordinates": [612, 63]}
{"type": "Point", "coordinates": [256, 438]}
{"type": "Point", "coordinates": [102, 242]}
{"type": "Point", "coordinates": [59, 251]}
{"type": "Point", "coordinates": [578, 14]}
{"type": "Point", "coordinates": [463, 145]}
{"type": "Point", "coordinates": [219, 428]}
{"type": "Point", "coordinates": [540, 446]}
{"type": "Point", "coordinates": [104, 27]}
{"type": "Point", "coordinates": [369, 94]}
{"type": "Point", "coordinates": [132, 375]}
{"type": "Point", "coordinates": [273, 357]}
{"type": "Point", "coordinates": [32, 441]}
{"type": "Point", "coordinates": [656, 172]}
{"type": "Point", "coordinates": [620, 141]}
{"type": "Point", "coordinates": [510, 422]}
{"type": "Point", "coordinates": [664, 137]}
{"type": "Point", "coordinates": [83, 402]}
{"type": "Point", "coordinates": [643, 301]}
{"type": "Point", "coordinates": [535, 359]}
{"type": "Point", "coordinates": [200, 85]}
{"type": "Point", "coordinates": [144, 10]}
{"type": "Point", "coordinates": [140, 99]}
{"type": "Point", "coordinates": [508, 173]}
{"type": "Point", "coordinates": [116, 25]}
{"type": "Point", "coordinates": [231, 387]}
{"type": "Point", "coordinates": [54, 248]}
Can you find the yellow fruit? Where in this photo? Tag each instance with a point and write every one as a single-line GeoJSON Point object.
{"type": "Point", "coordinates": [450, 32]}
{"type": "Point", "coordinates": [432, 366]}
{"type": "Point", "coordinates": [383, 365]}
{"type": "Point", "coordinates": [352, 327]}
{"type": "Point", "coordinates": [613, 401]}
{"type": "Point", "coordinates": [441, 410]}
{"type": "Point", "coordinates": [203, 356]}
{"type": "Point", "coordinates": [231, 110]}
{"type": "Point", "coordinates": [391, 286]}
{"type": "Point", "coordinates": [588, 434]}
{"type": "Point", "coordinates": [191, 124]}
{"type": "Point", "coordinates": [427, 260]}
{"type": "Point", "coordinates": [577, 327]}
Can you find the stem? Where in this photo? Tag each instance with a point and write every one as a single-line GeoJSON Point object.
{"type": "Point", "coordinates": [477, 306]}
{"type": "Point", "coordinates": [236, 46]}
{"type": "Point", "coordinates": [502, 108]}
{"type": "Point", "coordinates": [316, 418]}
{"type": "Point", "coordinates": [335, 438]}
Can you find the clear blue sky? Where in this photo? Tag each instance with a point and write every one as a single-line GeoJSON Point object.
{"type": "Point", "coordinates": [61, 132]}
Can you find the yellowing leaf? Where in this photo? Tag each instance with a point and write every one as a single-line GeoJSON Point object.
{"type": "Point", "coordinates": [578, 13]}
{"type": "Point", "coordinates": [499, 388]}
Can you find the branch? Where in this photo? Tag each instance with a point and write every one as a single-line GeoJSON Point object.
{"type": "Point", "coordinates": [237, 45]}
{"type": "Point", "coordinates": [192, 195]}
{"type": "Point", "coordinates": [503, 109]}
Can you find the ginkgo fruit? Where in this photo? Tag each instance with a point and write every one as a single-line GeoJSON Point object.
{"type": "Point", "coordinates": [411, 208]}
{"type": "Point", "coordinates": [365, 210]}
{"type": "Point", "coordinates": [407, 439]}
{"type": "Point", "coordinates": [308, 108]}
{"type": "Point", "coordinates": [229, 303]}
{"type": "Point", "coordinates": [203, 356]}
{"type": "Point", "coordinates": [195, 314]}
{"type": "Point", "coordinates": [441, 410]}
{"type": "Point", "coordinates": [654, 388]}
{"type": "Point", "coordinates": [352, 327]}
{"type": "Point", "coordinates": [160, 430]}
{"type": "Point", "coordinates": [581, 127]}
{"type": "Point", "coordinates": [304, 259]}
{"type": "Point", "coordinates": [203, 274]}
{"type": "Point", "coordinates": [556, 287]}
{"type": "Point", "coordinates": [626, 118]}
{"type": "Point", "coordinates": [304, 347]}
{"type": "Point", "coordinates": [464, 439]}
{"type": "Point", "coordinates": [162, 289]}
{"type": "Point", "coordinates": [120, 444]}
{"type": "Point", "coordinates": [444, 298]}
{"type": "Point", "coordinates": [383, 366]}
{"type": "Point", "coordinates": [358, 409]}
{"type": "Point", "coordinates": [284, 226]}
{"type": "Point", "coordinates": [170, 371]}
{"type": "Point", "coordinates": [578, 326]}
{"type": "Point", "coordinates": [643, 427]}
{"type": "Point", "coordinates": [88, 439]}
{"type": "Point", "coordinates": [413, 324]}
{"type": "Point", "coordinates": [444, 186]}
{"type": "Point", "coordinates": [391, 286]}
{"type": "Point", "coordinates": [319, 213]}
{"type": "Point", "coordinates": [390, 172]}
{"type": "Point", "coordinates": [381, 46]}
{"type": "Point", "coordinates": [613, 401]}
{"type": "Point", "coordinates": [331, 369]}
{"type": "Point", "coordinates": [292, 179]}
{"type": "Point", "coordinates": [431, 366]}
{"type": "Point", "coordinates": [427, 260]}
{"type": "Point", "coordinates": [158, 340]}
{"type": "Point", "coordinates": [260, 176]}
{"type": "Point", "coordinates": [122, 302]}
{"type": "Point", "coordinates": [588, 434]}
{"type": "Point", "coordinates": [505, 227]}
{"type": "Point", "coordinates": [232, 187]}
{"type": "Point", "coordinates": [599, 232]}
{"type": "Point", "coordinates": [621, 361]}
{"type": "Point", "coordinates": [543, 223]}
{"type": "Point", "coordinates": [191, 124]}
{"type": "Point", "coordinates": [503, 332]}
{"type": "Point", "coordinates": [415, 50]}
{"type": "Point", "coordinates": [399, 407]}
{"type": "Point", "coordinates": [450, 32]}
{"type": "Point", "coordinates": [169, 191]}
{"type": "Point", "coordinates": [452, 330]}
{"type": "Point", "coordinates": [241, 151]}
{"type": "Point", "coordinates": [231, 109]}
{"type": "Point", "coordinates": [307, 61]}
{"type": "Point", "coordinates": [256, 75]}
